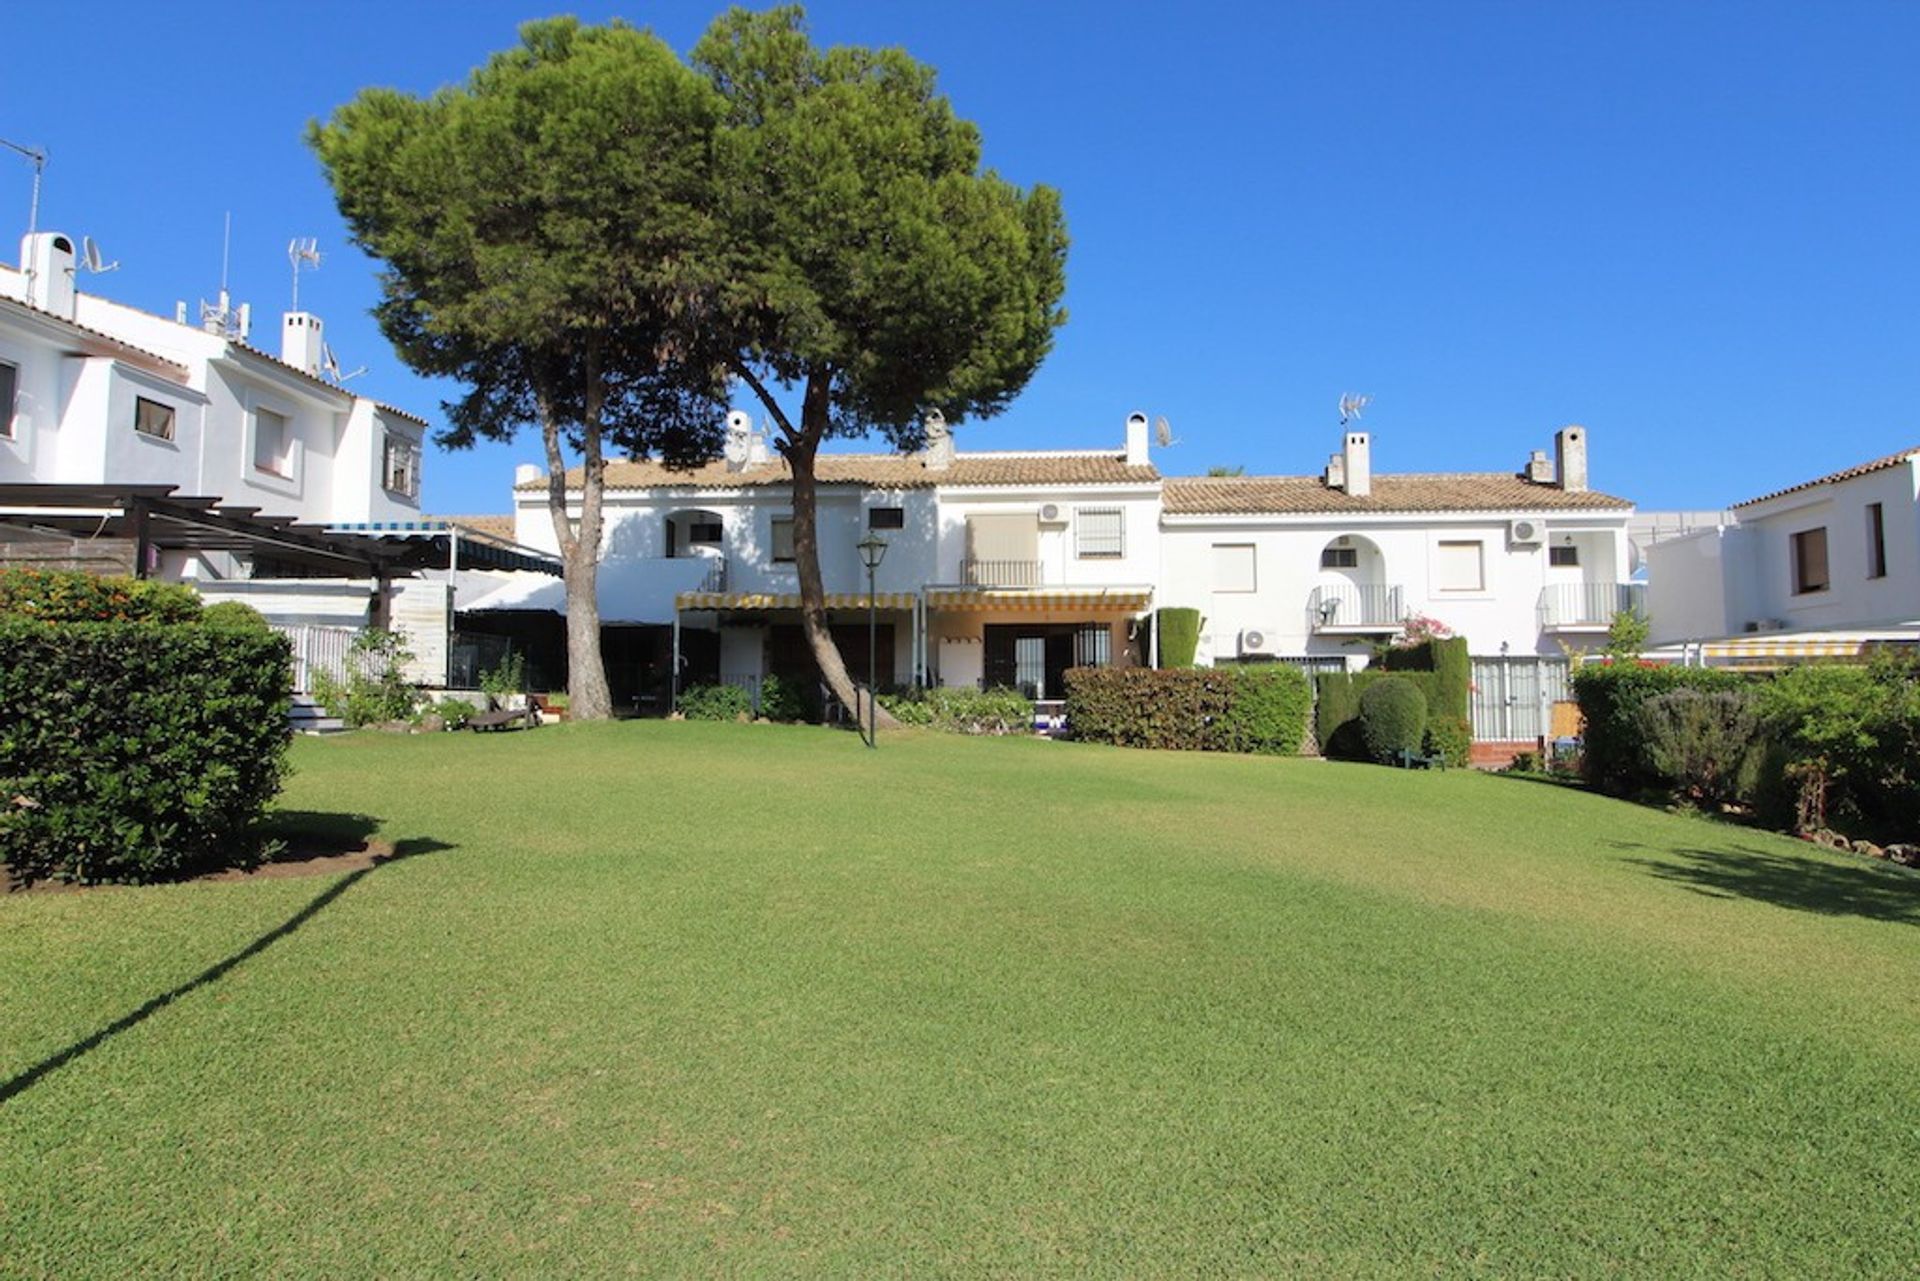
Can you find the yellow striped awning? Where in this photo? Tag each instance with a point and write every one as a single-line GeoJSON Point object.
{"type": "Point", "coordinates": [1115, 599]}
{"type": "Point", "coordinates": [1798, 647]}
{"type": "Point", "coordinates": [788, 600]}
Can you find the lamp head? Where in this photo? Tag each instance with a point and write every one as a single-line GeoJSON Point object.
{"type": "Point", "coordinates": [873, 549]}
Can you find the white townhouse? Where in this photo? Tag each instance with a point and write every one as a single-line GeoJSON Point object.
{"type": "Point", "coordinates": [1819, 569]}
{"type": "Point", "coordinates": [93, 392]}
{"type": "Point", "coordinates": [1532, 563]}
{"type": "Point", "coordinates": [1009, 568]}
{"type": "Point", "coordinates": [1001, 568]}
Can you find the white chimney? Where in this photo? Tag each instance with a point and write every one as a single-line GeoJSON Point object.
{"type": "Point", "coordinates": [527, 474]}
{"type": "Point", "coordinates": [737, 449]}
{"type": "Point", "coordinates": [1137, 440]}
{"type": "Point", "coordinates": [1539, 470]}
{"type": "Point", "coordinates": [1336, 472]}
{"type": "Point", "coordinates": [47, 257]}
{"type": "Point", "coordinates": [300, 344]}
{"type": "Point", "coordinates": [1570, 444]}
{"type": "Point", "coordinates": [939, 451]}
{"type": "Point", "coordinates": [1357, 456]}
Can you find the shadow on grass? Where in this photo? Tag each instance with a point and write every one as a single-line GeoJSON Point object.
{"type": "Point", "coordinates": [32, 1076]}
{"type": "Point", "coordinates": [308, 834]}
{"type": "Point", "coordinates": [1876, 891]}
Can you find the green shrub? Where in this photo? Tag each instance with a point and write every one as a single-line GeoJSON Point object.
{"type": "Point", "coordinates": [1613, 756]}
{"type": "Point", "coordinates": [376, 690]}
{"type": "Point", "coordinates": [455, 712]}
{"type": "Point", "coordinates": [1336, 715]}
{"type": "Point", "coordinates": [1179, 637]}
{"type": "Point", "coordinates": [1446, 690]}
{"type": "Point", "coordinates": [70, 596]}
{"type": "Point", "coordinates": [1268, 712]}
{"type": "Point", "coordinates": [716, 703]}
{"type": "Point", "coordinates": [506, 679]}
{"type": "Point", "coordinates": [1450, 737]}
{"type": "Point", "coordinates": [1220, 709]}
{"type": "Point", "coordinates": [1393, 717]}
{"type": "Point", "coordinates": [137, 751]}
{"type": "Point", "coordinates": [234, 614]}
{"type": "Point", "coordinates": [785, 699]}
{"type": "Point", "coordinates": [1705, 744]}
{"type": "Point", "coordinates": [1847, 748]}
{"type": "Point", "coordinates": [961, 710]}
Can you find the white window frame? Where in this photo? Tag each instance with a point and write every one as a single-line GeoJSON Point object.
{"type": "Point", "coordinates": [1801, 587]}
{"type": "Point", "coordinates": [1440, 565]}
{"type": "Point", "coordinates": [173, 419]}
{"type": "Point", "coordinates": [1570, 550]}
{"type": "Point", "coordinates": [285, 470]}
{"type": "Point", "coordinates": [10, 401]}
{"type": "Point", "coordinates": [1251, 577]}
{"type": "Point", "coordinates": [1086, 547]}
{"type": "Point", "coordinates": [1333, 554]}
{"type": "Point", "coordinates": [409, 453]}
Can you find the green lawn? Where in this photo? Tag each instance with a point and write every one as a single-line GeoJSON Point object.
{"type": "Point", "coordinates": [665, 998]}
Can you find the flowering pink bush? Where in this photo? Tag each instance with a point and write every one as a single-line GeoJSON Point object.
{"type": "Point", "coordinates": [1419, 629]}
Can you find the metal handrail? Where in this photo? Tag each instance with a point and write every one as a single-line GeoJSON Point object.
{"type": "Point", "coordinates": [1001, 573]}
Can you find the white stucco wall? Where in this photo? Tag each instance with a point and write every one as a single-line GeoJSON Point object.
{"type": "Point", "coordinates": [1398, 550]}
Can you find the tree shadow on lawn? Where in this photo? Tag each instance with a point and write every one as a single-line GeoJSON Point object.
{"type": "Point", "coordinates": [344, 829]}
{"type": "Point", "coordinates": [1876, 891]}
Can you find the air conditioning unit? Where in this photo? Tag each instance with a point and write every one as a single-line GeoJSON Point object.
{"type": "Point", "coordinates": [1050, 514]}
{"type": "Point", "coordinates": [1257, 640]}
{"type": "Point", "coordinates": [1524, 531]}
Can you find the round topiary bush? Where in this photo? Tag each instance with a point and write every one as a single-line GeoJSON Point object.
{"type": "Point", "coordinates": [1393, 718]}
{"type": "Point", "coordinates": [235, 614]}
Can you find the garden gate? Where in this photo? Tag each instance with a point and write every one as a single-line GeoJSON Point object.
{"type": "Point", "coordinates": [1513, 697]}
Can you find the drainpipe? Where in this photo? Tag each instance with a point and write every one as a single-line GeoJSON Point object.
{"type": "Point", "coordinates": [673, 677]}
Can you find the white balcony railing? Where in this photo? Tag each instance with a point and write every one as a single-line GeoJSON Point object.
{"type": "Point", "coordinates": [1593, 606]}
{"type": "Point", "coordinates": [1001, 573]}
{"type": "Point", "coordinates": [1356, 607]}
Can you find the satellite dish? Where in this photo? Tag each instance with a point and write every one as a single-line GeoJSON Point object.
{"type": "Point", "coordinates": [91, 258]}
{"type": "Point", "coordinates": [1163, 432]}
{"type": "Point", "coordinates": [330, 364]}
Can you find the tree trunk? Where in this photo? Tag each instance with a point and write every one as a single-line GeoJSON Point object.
{"type": "Point", "coordinates": [587, 696]}
{"type": "Point", "coordinates": [800, 453]}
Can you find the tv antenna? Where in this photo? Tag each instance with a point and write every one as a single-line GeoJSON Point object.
{"type": "Point", "coordinates": [302, 249]}
{"type": "Point", "coordinates": [1163, 432]}
{"type": "Point", "coordinates": [38, 155]}
{"type": "Point", "coordinates": [223, 317]}
{"type": "Point", "coordinates": [1351, 407]}
{"type": "Point", "coordinates": [330, 364]}
{"type": "Point", "coordinates": [90, 257]}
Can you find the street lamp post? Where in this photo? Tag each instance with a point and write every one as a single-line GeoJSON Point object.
{"type": "Point", "coordinates": [873, 549]}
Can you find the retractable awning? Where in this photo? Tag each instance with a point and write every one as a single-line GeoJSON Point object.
{"type": "Point", "coordinates": [1822, 645]}
{"type": "Point", "coordinates": [431, 544]}
{"type": "Point", "coordinates": [723, 601]}
{"type": "Point", "coordinates": [1019, 600]}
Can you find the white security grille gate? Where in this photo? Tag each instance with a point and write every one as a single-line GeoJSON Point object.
{"type": "Point", "coordinates": [318, 649]}
{"type": "Point", "coordinates": [1513, 697]}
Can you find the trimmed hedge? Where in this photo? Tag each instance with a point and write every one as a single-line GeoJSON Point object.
{"type": "Point", "coordinates": [1179, 637]}
{"type": "Point", "coordinates": [1393, 718]}
{"type": "Point", "coordinates": [959, 710]}
{"type": "Point", "coordinates": [1613, 755]}
{"type": "Point", "coordinates": [1221, 709]}
{"type": "Point", "coordinates": [136, 751]}
{"type": "Point", "coordinates": [1452, 670]}
{"type": "Point", "coordinates": [1337, 718]}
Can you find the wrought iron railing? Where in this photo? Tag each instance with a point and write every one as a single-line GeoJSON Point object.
{"type": "Point", "coordinates": [1588, 604]}
{"type": "Point", "coordinates": [1354, 605]}
{"type": "Point", "coordinates": [1001, 573]}
{"type": "Point", "coordinates": [716, 579]}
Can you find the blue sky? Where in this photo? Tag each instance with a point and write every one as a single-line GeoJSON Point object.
{"type": "Point", "coordinates": [1690, 227]}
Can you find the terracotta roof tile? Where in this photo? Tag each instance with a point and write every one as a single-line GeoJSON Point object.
{"type": "Point", "coordinates": [494, 526]}
{"type": "Point", "coordinates": [1878, 464]}
{"type": "Point", "coordinates": [1437, 492]}
{"type": "Point", "coordinates": [885, 471]}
